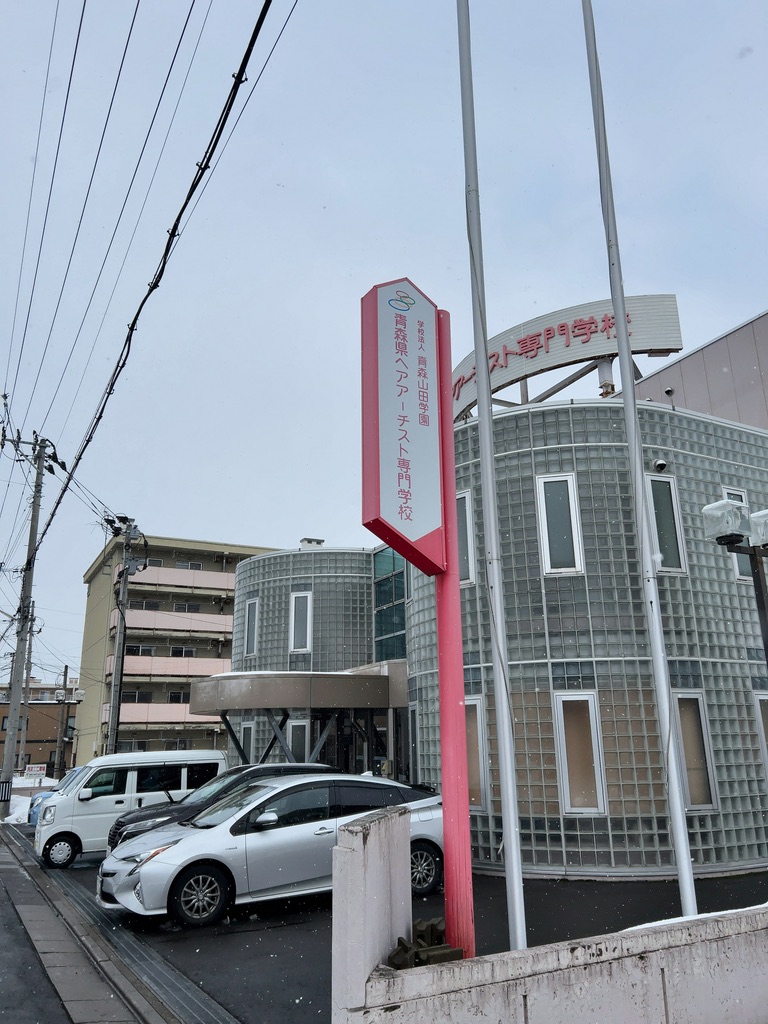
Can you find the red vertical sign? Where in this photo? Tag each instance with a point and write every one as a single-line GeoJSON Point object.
{"type": "Point", "coordinates": [409, 501]}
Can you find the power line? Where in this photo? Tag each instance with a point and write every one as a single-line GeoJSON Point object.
{"type": "Point", "coordinates": [48, 202]}
{"type": "Point", "coordinates": [202, 167]}
{"type": "Point", "coordinates": [82, 216]}
{"type": "Point", "coordinates": [120, 217]}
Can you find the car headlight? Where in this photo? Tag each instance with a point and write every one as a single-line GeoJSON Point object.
{"type": "Point", "coordinates": [49, 813]}
{"type": "Point", "coordinates": [145, 826]}
{"type": "Point", "coordinates": [139, 859]}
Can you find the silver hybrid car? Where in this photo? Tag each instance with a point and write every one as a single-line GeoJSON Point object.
{"type": "Point", "coordinates": [273, 839]}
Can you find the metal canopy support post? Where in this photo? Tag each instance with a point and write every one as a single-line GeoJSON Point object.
{"type": "Point", "coordinates": [513, 869]}
{"type": "Point", "coordinates": [659, 667]}
{"type": "Point", "coordinates": [277, 729]}
{"type": "Point", "coordinates": [332, 719]}
{"type": "Point", "coordinates": [235, 741]}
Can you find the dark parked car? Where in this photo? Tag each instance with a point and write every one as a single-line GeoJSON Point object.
{"type": "Point", "coordinates": [128, 826]}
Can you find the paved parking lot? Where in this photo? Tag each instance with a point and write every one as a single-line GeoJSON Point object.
{"type": "Point", "coordinates": [273, 963]}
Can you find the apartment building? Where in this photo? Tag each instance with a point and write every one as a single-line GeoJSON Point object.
{"type": "Point", "coordinates": [178, 628]}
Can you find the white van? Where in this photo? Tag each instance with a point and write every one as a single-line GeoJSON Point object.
{"type": "Point", "coordinates": [77, 817]}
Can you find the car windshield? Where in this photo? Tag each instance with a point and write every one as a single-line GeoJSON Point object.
{"type": "Point", "coordinates": [69, 780]}
{"type": "Point", "coordinates": [230, 805]}
{"type": "Point", "coordinates": [209, 790]}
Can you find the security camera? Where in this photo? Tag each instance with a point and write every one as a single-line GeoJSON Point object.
{"type": "Point", "coordinates": [669, 392]}
{"type": "Point", "coordinates": [660, 465]}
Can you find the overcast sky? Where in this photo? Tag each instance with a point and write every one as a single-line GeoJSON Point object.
{"type": "Point", "coordinates": [237, 418]}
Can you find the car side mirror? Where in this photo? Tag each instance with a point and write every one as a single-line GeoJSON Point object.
{"type": "Point", "coordinates": [266, 820]}
{"type": "Point", "coordinates": [85, 794]}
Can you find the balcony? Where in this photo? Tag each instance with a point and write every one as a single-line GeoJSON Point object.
{"type": "Point", "coordinates": [163, 669]}
{"type": "Point", "coordinates": [154, 716]}
{"type": "Point", "coordinates": [139, 621]}
{"type": "Point", "coordinates": [181, 579]}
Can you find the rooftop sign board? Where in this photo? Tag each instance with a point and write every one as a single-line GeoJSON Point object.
{"type": "Point", "coordinates": [575, 335]}
{"type": "Point", "coordinates": [402, 501]}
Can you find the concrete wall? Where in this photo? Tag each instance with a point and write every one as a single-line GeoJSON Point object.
{"type": "Point", "coordinates": [700, 970]}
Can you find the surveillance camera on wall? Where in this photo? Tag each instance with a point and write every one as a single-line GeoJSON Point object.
{"type": "Point", "coordinates": [660, 465]}
{"type": "Point", "coordinates": [669, 392]}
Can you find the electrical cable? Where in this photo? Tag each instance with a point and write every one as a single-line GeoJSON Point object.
{"type": "Point", "coordinates": [48, 202]}
{"type": "Point", "coordinates": [120, 217]}
{"type": "Point", "coordinates": [82, 215]}
{"type": "Point", "coordinates": [154, 284]}
{"type": "Point", "coordinates": [237, 119]}
{"type": "Point", "coordinates": [31, 194]}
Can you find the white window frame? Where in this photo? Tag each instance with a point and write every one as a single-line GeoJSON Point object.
{"type": "Point", "coordinates": [682, 570]}
{"type": "Point", "coordinates": [737, 494]}
{"type": "Point", "coordinates": [598, 761]}
{"type": "Point", "coordinates": [413, 741]}
{"type": "Point", "coordinates": [294, 725]}
{"type": "Point", "coordinates": [482, 755]}
{"type": "Point", "coordinates": [251, 613]}
{"type": "Point", "coordinates": [573, 506]}
{"type": "Point", "coordinates": [708, 752]}
{"type": "Point", "coordinates": [468, 520]}
{"type": "Point", "coordinates": [761, 696]}
{"type": "Point", "coordinates": [292, 639]}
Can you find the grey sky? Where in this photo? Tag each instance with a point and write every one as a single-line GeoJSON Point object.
{"type": "Point", "coordinates": [237, 417]}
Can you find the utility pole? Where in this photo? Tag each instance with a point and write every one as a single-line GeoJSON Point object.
{"type": "Point", "coordinates": [130, 533]}
{"type": "Point", "coordinates": [22, 762]}
{"type": "Point", "coordinates": [22, 633]}
{"type": "Point", "coordinates": [58, 768]}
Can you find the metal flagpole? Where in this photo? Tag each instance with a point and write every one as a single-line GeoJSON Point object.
{"type": "Point", "coordinates": [507, 783]}
{"type": "Point", "coordinates": [660, 669]}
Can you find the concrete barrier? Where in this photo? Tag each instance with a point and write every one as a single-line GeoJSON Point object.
{"type": "Point", "coordinates": [702, 970]}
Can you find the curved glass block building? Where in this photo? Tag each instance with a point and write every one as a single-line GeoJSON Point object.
{"type": "Point", "coordinates": [588, 745]}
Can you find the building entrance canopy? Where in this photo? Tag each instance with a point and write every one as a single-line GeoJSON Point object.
{"type": "Point", "coordinates": [329, 697]}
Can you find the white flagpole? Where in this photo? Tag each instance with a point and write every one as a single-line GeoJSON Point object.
{"type": "Point", "coordinates": [660, 669]}
{"type": "Point", "coordinates": [510, 819]}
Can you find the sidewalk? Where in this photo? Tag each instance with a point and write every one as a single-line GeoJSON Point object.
{"type": "Point", "coordinates": [54, 967]}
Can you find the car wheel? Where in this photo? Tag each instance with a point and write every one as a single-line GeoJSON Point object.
{"type": "Point", "coordinates": [60, 850]}
{"type": "Point", "coordinates": [200, 895]}
{"type": "Point", "coordinates": [426, 869]}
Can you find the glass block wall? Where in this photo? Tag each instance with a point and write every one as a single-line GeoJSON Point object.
{"type": "Point", "coordinates": [584, 633]}
{"type": "Point", "coordinates": [340, 582]}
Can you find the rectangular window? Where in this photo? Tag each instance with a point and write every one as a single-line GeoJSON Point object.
{"type": "Point", "coordinates": [581, 777]}
{"type": "Point", "coordinates": [140, 650]}
{"type": "Point", "coordinates": [135, 696]}
{"type": "Point", "coordinates": [741, 564]}
{"type": "Point", "coordinates": [186, 606]}
{"type": "Point", "coordinates": [476, 759]}
{"type": "Point", "coordinates": [251, 622]}
{"type": "Point", "coordinates": [178, 697]}
{"type": "Point", "coordinates": [761, 707]}
{"type": "Point", "coordinates": [183, 652]}
{"type": "Point", "coordinates": [246, 742]}
{"type": "Point", "coordinates": [149, 606]}
{"type": "Point", "coordinates": [694, 741]}
{"type": "Point", "coordinates": [413, 729]}
{"type": "Point", "coordinates": [666, 518]}
{"type": "Point", "coordinates": [465, 535]}
{"type": "Point", "coordinates": [189, 565]}
{"type": "Point", "coordinates": [298, 739]}
{"type": "Point", "coordinates": [301, 622]}
{"type": "Point", "coordinates": [559, 528]}
{"type": "Point", "coordinates": [157, 562]}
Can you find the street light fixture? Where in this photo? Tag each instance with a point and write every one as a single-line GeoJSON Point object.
{"type": "Point", "coordinates": [730, 525]}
